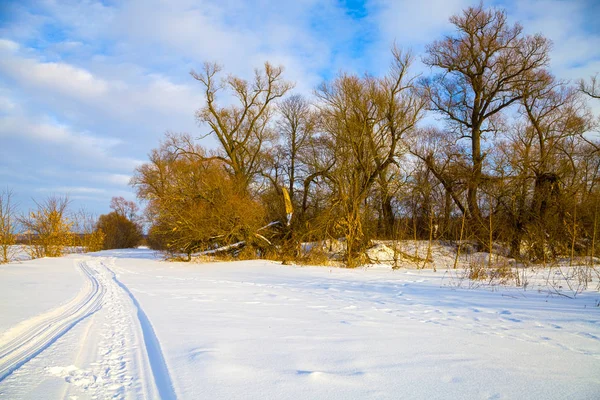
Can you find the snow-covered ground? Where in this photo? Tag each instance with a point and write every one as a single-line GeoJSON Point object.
{"type": "Point", "coordinates": [122, 324]}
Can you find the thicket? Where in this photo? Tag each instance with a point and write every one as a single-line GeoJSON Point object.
{"type": "Point", "coordinates": [515, 159]}
{"type": "Point", "coordinates": [119, 232]}
{"type": "Point", "coordinates": [47, 229]}
{"type": "Point", "coordinates": [120, 228]}
{"type": "Point", "coordinates": [51, 229]}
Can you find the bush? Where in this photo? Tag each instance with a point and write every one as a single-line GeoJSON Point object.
{"type": "Point", "coordinates": [119, 231]}
{"type": "Point", "coordinates": [48, 229]}
{"type": "Point", "coordinates": [195, 204]}
{"type": "Point", "coordinates": [8, 236]}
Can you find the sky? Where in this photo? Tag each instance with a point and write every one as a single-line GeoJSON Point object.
{"type": "Point", "coordinates": [88, 88]}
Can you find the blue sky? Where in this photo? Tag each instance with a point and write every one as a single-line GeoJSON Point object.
{"type": "Point", "coordinates": [88, 88]}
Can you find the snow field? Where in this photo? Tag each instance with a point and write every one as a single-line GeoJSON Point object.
{"type": "Point", "coordinates": [256, 329]}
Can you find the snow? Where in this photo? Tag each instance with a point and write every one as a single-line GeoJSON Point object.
{"type": "Point", "coordinates": [51, 282]}
{"type": "Point", "coordinates": [381, 254]}
{"type": "Point", "coordinates": [127, 325]}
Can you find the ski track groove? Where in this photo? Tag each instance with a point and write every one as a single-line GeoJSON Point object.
{"type": "Point", "coordinates": [110, 375]}
{"type": "Point", "coordinates": [33, 336]}
{"type": "Point", "coordinates": [158, 366]}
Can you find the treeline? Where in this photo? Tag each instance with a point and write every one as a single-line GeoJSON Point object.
{"type": "Point", "coordinates": [513, 160]}
{"type": "Point", "coordinates": [52, 229]}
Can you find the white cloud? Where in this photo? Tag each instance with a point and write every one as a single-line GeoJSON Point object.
{"type": "Point", "coordinates": [59, 142]}
{"type": "Point", "coordinates": [576, 50]}
{"type": "Point", "coordinates": [72, 190]}
{"type": "Point", "coordinates": [6, 105]}
{"type": "Point", "coordinates": [55, 133]}
{"type": "Point", "coordinates": [8, 45]}
{"type": "Point", "coordinates": [60, 77]}
{"type": "Point", "coordinates": [116, 179]}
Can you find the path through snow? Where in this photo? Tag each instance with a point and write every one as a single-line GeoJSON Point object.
{"type": "Point", "coordinates": [116, 354]}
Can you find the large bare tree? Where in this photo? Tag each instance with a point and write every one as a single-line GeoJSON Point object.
{"type": "Point", "coordinates": [555, 112]}
{"type": "Point", "coordinates": [296, 127]}
{"type": "Point", "coordinates": [366, 118]}
{"type": "Point", "coordinates": [242, 128]}
{"type": "Point", "coordinates": [482, 64]}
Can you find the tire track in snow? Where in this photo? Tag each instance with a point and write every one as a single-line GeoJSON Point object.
{"type": "Point", "coordinates": [30, 338]}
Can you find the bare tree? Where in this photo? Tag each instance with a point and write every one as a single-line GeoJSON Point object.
{"type": "Point", "coordinates": [126, 208]}
{"type": "Point", "coordinates": [242, 129]}
{"type": "Point", "coordinates": [447, 160]}
{"type": "Point", "coordinates": [555, 113]}
{"type": "Point", "coordinates": [482, 66]}
{"type": "Point", "coordinates": [366, 119]}
{"type": "Point", "coordinates": [296, 127]}
{"type": "Point", "coordinates": [8, 220]}
{"type": "Point", "coordinates": [89, 237]}
{"type": "Point", "coordinates": [48, 228]}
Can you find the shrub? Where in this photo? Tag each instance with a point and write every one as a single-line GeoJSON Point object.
{"type": "Point", "coordinates": [48, 229]}
{"type": "Point", "coordinates": [119, 231]}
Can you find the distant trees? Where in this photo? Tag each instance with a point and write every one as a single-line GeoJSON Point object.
{"type": "Point", "coordinates": [119, 227]}
{"type": "Point", "coordinates": [125, 208]}
{"type": "Point", "coordinates": [50, 230]}
{"type": "Point", "coordinates": [88, 237]}
{"type": "Point", "coordinates": [119, 231]}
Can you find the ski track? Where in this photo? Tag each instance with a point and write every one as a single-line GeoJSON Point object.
{"type": "Point", "coordinates": [125, 362]}
{"type": "Point", "coordinates": [156, 359]}
{"type": "Point", "coordinates": [30, 338]}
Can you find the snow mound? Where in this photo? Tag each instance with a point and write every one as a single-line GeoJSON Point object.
{"type": "Point", "coordinates": [380, 253]}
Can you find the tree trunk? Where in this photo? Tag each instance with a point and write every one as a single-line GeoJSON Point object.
{"type": "Point", "coordinates": [389, 220]}
{"type": "Point", "coordinates": [477, 223]}
{"type": "Point", "coordinates": [447, 209]}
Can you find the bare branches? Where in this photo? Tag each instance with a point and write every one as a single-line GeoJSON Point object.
{"type": "Point", "coordinates": [482, 67]}
{"type": "Point", "coordinates": [48, 228]}
{"type": "Point", "coordinates": [297, 126]}
{"type": "Point", "coordinates": [591, 88]}
{"type": "Point", "coordinates": [242, 129]}
{"type": "Point", "coordinates": [366, 118]}
{"type": "Point", "coordinates": [8, 221]}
